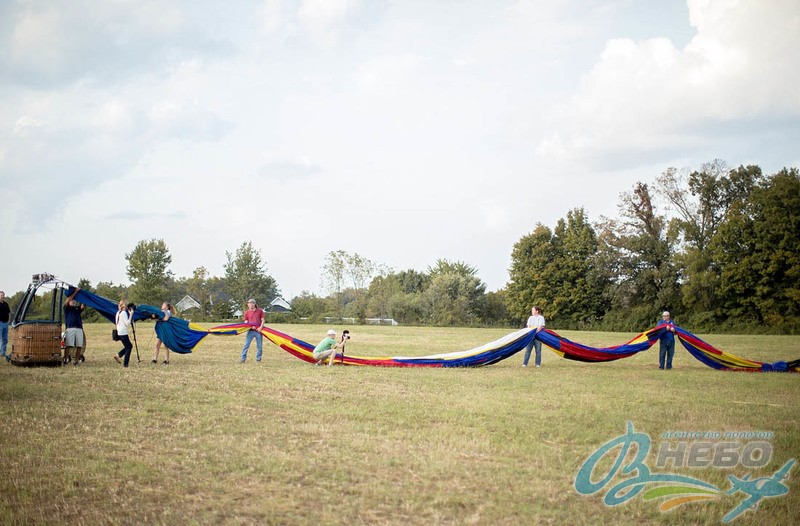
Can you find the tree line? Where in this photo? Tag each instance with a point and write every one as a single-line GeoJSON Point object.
{"type": "Point", "coordinates": [722, 253]}
{"type": "Point", "coordinates": [718, 247]}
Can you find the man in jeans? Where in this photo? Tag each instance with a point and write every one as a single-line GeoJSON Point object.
{"type": "Point", "coordinates": [535, 321]}
{"type": "Point", "coordinates": [5, 316]}
{"type": "Point", "coordinates": [666, 344]}
{"type": "Point", "coordinates": [255, 317]}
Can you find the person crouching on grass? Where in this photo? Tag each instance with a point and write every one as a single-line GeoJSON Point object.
{"type": "Point", "coordinates": [327, 348]}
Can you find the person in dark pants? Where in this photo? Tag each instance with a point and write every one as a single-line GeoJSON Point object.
{"type": "Point", "coordinates": [666, 343]}
{"type": "Point", "coordinates": [5, 317]}
{"type": "Point", "coordinates": [124, 318]}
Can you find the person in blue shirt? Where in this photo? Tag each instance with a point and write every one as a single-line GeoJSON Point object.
{"type": "Point", "coordinates": [73, 336]}
{"type": "Point", "coordinates": [5, 317]}
{"type": "Point", "coordinates": [666, 343]}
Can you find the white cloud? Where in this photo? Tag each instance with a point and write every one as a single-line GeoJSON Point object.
{"type": "Point", "coordinates": [322, 14]}
{"type": "Point", "coordinates": [650, 97]}
{"type": "Point", "coordinates": [26, 124]}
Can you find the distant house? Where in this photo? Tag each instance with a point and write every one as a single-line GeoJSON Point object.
{"type": "Point", "coordinates": [186, 303]}
{"type": "Point", "coordinates": [279, 305]}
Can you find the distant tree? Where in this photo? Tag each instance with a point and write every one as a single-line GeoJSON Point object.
{"type": "Point", "coordinates": [341, 269]}
{"type": "Point", "coordinates": [701, 201]}
{"type": "Point", "coordinates": [443, 266]}
{"type": "Point", "coordinates": [13, 301]}
{"type": "Point", "coordinates": [642, 249]}
{"type": "Point", "coordinates": [222, 310]}
{"type": "Point", "coordinates": [361, 270]}
{"type": "Point", "coordinates": [197, 288]}
{"type": "Point", "coordinates": [89, 315]}
{"type": "Point", "coordinates": [381, 290]}
{"type": "Point", "coordinates": [333, 276]}
{"type": "Point", "coordinates": [310, 307]}
{"type": "Point", "coordinates": [758, 251]}
{"type": "Point", "coordinates": [560, 272]}
{"type": "Point", "coordinates": [148, 269]}
{"type": "Point", "coordinates": [246, 277]}
{"type": "Point", "coordinates": [578, 283]}
{"type": "Point", "coordinates": [529, 281]}
{"type": "Point", "coordinates": [108, 290]}
{"type": "Point", "coordinates": [408, 308]}
{"type": "Point", "coordinates": [496, 311]}
{"type": "Point", "coordinates": [398, 295]}
{"type": "Point", "coordinates": [455, 299]}
{"type": "Point", "coordinates": [216, 291]}
{"type": "Point", "coordinates": [412, 281]}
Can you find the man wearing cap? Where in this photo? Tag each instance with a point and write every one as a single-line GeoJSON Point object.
{"type": "Point", "coordinates": [666, 343]}
{"type": "Point", "coordinates": [326, 348]}
{"type": "Point", "coordinates": [255, 317]}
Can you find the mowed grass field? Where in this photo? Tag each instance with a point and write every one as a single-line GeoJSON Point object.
{"type": "Point", "coordinates": [207, 440]}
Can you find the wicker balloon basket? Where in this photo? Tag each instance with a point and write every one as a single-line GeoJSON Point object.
{"type": "Point", "coordinates": [36, 343]}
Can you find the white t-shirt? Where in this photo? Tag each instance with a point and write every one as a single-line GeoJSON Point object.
{"type": "Point", "coordinates": [123, 322]}
{"type": "Point", "coordinates": [536, 322]}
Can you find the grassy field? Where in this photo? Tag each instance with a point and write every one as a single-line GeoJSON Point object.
{"type": "Point", "coordinates": [207, 440]}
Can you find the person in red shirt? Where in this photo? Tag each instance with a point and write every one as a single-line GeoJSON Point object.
{"type": "Point", "coordinates": [255, 317]}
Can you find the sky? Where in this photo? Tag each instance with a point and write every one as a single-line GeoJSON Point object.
{"type": "Point", "coordinates": [402, 131]}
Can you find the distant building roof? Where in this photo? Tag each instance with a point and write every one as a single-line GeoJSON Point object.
{"type": "Point", "coordinates": [186, 303]}
{"type": "Point", "coordinates": [279, 305]}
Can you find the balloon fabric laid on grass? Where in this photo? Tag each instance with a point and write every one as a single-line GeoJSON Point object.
{"type": "Point", "coordinates": [182, 337]}
{"type": "Point", "coordinates": [178, 334]}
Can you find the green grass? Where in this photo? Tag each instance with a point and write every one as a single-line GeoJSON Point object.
{"type": "Point", "coordinates": [207, 440]}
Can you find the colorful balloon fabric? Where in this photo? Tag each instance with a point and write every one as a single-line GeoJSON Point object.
{"type": "Point", "coordinates": [182, 337]}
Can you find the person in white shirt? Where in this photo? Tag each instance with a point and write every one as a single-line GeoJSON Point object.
{"type": "Point", "coordinates": [124, 318]}
{"type": "Point", "coordinates": [535, 321]}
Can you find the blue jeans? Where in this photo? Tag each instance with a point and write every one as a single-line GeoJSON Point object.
{"type": "Point", "coordinates": [248, 339]}
{"type": "Point", "coordinates": [666, 349]}
{"type": "Point", "coordinates": [3, 337]}
{"type": "Point", "coordinates": [534, 344]}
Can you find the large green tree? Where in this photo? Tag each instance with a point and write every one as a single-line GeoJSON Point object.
{"type": "Point", "coordinates": [558, 271]}
{"type": "Point", "coordinates": [578, 284]}
{"type": "Point", "coordinates": [399, 295]}
{"type": "Point", "coordinates": [148, 269]}
{"type": "Point", "coordinates": [529, 282]}
{"type": "Point", "coordinates": [246, 277]}
{"type": "Point", "coordinates": [640, 248]}
{"type": "Point", "coordinates": [758, 251]}
{"type": "Point", "coordinates": [455, 294]}
{"type": "Point", "coordinates": [701, 201]}
{"type": "Point", "coordinates": [344, 271]}
{"type": "Point", "coordinates": [455, 299]}
{"type": "Point", "coordinates": [380, 292]}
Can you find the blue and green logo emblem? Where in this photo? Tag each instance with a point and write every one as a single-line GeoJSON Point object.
{"type": "Point", "coordinates": [631, 476]}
